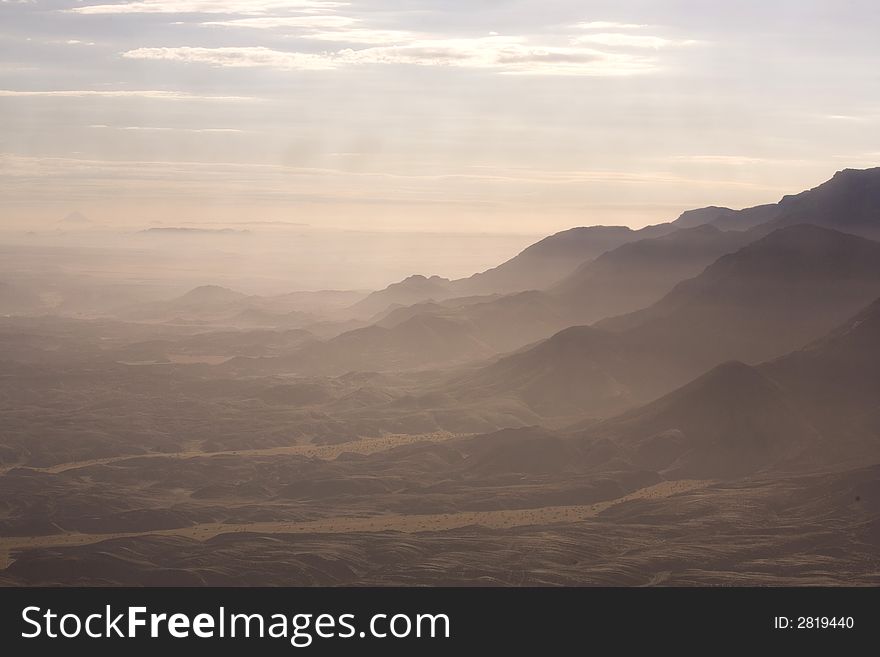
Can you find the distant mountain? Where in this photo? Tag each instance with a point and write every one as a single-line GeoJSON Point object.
{"type": "Point", "coordinates": [205, 303]}
{"type": "Point", "coordinates": [837, 378]}
{"type": "Point", "coordinates": [766, 295]}
{"type": "Point", "coordinates": [412, 290]}
{"type": "Point", "coordinates": [727, 219]}
{"type": "Point", "coordinates": [538, 267]}
{"type": "Point", "coordinates": [423, 341]}
{"type": "Point", "coordinates": [578, 371]}
{"type": "Point", "coordinates": [503, 324]}
{"type": "Point", "coordinates": [702, 216]}
{"type": "Point", "coordinates": [770, 297]}
{"type": "Point", "coordinates": [747, 218]}
{"type": "Point", "coordinates": [435, 335]}
{"type": "Point", "coordinates": [623, 279]}
{"type": "Point", "coordinates": [729, 422]}
{"type": "Point", "coordinates": [398, 313]}
{"type": "Point", "coordinates": [815, 406]}
{"type": "Point", "coordinates": [209, 295]}
{"type": "Point", "coordinates": [550, 260]}
{"type": "Point", "coordinates": [639, 273]}
{"type": "Point", "coordinates": [767, 299]}
{"type": "Point", "coordinates": [849, 202]}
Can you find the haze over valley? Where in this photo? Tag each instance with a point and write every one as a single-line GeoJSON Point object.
{"type": "Point", "coordinates": [438, 292]}
{"type": "Point", "coordinates": [609, 406]}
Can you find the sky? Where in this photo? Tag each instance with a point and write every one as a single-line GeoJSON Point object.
{"type": "Point", "coordinates": [487, 116]}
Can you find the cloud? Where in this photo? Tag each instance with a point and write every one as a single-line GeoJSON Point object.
{"type": "Point", "coordinates": [616, 39]}
{"type": "Point", "coordinates": [246, 7]}
{"type": "Point", "coordinates": [565, 53]}
{"type": "Point", "coordinates": [364, 35]}
{"type": "Point", "coordinates": [845, 117]}
{"type": "Point", "coordinates": [732, 160]}
{"type": "Point", "coordinates": [274, 22]}
{"type": "Point", "coordinates": [250, 57]}
{"type": "Point", "coordinates": [608, 25]}
{"type": "Point", "coordinates": [329, 27]}
{"type": "Point", "coordinates": [91, 93]}
{"type": "Point", "coordinates": [503, 54]}
{"type": "Point", "coordinates": [282, 179]}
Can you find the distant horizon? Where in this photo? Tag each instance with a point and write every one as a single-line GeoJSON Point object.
{"type": "Point", "coordinates": [79, 222]}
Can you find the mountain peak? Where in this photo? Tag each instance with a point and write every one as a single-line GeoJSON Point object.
{"type": "Point", "coordinates": [857, 174]}
{"type": "Point", "coordinates": [420, 278]}
{"type": "Point", "coordinates": [849, 201]}
{"type": "Point", "coordinates": [211, 293]}
{"type": "Point", "coordinates": [75, 217]}
{"type": "Point", "coordinates": [701, 216]}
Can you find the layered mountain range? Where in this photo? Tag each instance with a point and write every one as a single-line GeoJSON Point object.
{"type": "Point", "coordinates": [696, 402]}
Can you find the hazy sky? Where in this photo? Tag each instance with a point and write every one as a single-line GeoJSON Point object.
{"type": "Point", "coordinates": [484, 115]}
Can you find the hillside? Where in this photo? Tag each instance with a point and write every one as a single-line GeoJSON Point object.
{"type": "Point", "coordinates": [640, 273]}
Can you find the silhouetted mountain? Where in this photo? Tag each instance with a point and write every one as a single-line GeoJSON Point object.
{"type": "Point", "coordinates": [412, 290]}
{"type": "Point", "coordinates": [420, 342]}
{"type": "Point", "coordinates": [548, 261]}
{"type": "Point", "coordinates": [208, 302]}
{"type": "Point", "coordinates": [771, 297]}
{"type": "Point", "coordinates": [837, 378]}
{"type": "Point", "coordinates": [727, 219]}
{"type": "Point", "coordinates": [626, 278]}
{"type": "Point", "coordinates": [209, 295]}
{"type": "Point", "coordinates": [504, 324]}
{"type": "Point", "coordinates": [849, 202]}
{"type": "Point", "coordinates": [702, 216]}
{"type": "Point", "coordinates": [747, 218]}
{"type": "Point", "coordinates": [815, 406]}
{"type": "Point", "coordinates": [729, 422]}
{"type": "Point", "coordinates": [640, 273]}
{"type": "Point", "coordinates": [538, 267]}
{"type": "Point", "coordinates": [578, 371]}
{"type": "Point", "coordinates": [398, 313]}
